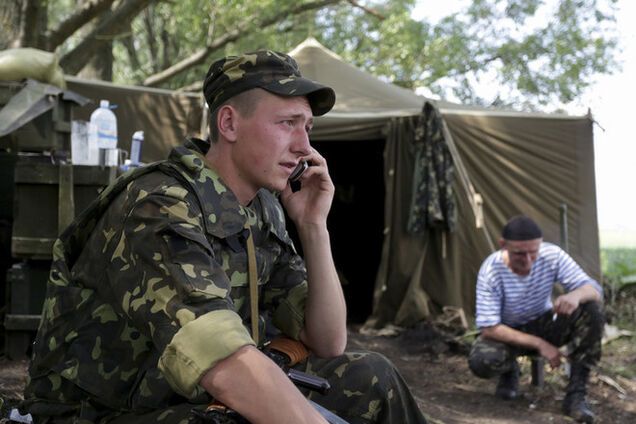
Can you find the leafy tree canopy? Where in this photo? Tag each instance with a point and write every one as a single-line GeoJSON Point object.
{"type": "Point", "coordinates": [530, 54]}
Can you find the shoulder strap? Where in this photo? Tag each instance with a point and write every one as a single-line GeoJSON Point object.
{"type": "Point", "coordinates": [253, 281]}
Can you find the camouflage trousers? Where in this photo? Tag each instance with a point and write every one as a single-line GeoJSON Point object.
{"type": "Point", "coordinates": [582, 332]}
{"type": "Point", "coordinates": [365, 388]}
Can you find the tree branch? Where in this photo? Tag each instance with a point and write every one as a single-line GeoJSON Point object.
{"type": "Point", "coordinates": [74, 61]}
{"type": "Point", "coordinates": [368, 10]}
{"type": "Point", "coordinates": [66, 28]}
{"type": "Point", "coordinates": [239, 30]}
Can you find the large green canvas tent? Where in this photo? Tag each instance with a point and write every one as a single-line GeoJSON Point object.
{"type": "Point", "coordinates": [505, 163]}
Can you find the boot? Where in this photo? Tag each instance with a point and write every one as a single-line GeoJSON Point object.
{"type": "Point", "coordinates": [575, 405]}
{"type": "Point", "coordinates": [508, 386]}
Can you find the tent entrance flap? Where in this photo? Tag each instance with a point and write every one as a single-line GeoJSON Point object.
{"type": "Point", "coordinates": [356, 219]}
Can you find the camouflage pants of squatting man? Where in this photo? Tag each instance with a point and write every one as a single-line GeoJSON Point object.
{"type": "Point", "coordinates": [365, 388]}
{"type": "Point", "coordinates": [582, 330]}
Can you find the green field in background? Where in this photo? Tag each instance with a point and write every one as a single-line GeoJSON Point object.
{"type": "Point", "coordinates": [618, 263]}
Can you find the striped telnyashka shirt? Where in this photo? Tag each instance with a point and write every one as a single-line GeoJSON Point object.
{"type": "Point", "coordinates": [504, 297]}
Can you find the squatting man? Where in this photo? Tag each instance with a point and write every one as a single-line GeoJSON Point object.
{"type": "Point", "coordinates": [516, 314]}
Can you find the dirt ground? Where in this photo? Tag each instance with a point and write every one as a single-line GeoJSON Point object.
{"type": "Point", "coordinates": [435, 367]}
{"type": "Point", "coordinates": [433, 362]}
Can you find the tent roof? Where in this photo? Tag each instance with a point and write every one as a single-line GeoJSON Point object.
{"type": "Point", "coordinates": [362, 96]}
{"type": "Point", "coordinates": [357, 91]}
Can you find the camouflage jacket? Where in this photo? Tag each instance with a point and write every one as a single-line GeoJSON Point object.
{"type": "Point", "coordinates": [148, 290]}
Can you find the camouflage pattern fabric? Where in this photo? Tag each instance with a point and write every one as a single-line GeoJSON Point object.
{"type": "Point", "coordinates": [365, 388]}
{"type": "Point", "coordinates": [159, 250]}
{"type": "Point", "coordinates": [583, 330]}
{"type": "Point", "coordinates": [147, 259]}
{"type": "Point", "coordinates": [273, 71]}
{"type": "Point", "coordinates": [432, 200]}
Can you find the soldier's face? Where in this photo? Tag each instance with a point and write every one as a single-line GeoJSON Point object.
{"type": "Point", "coordinates": [521, 254]}
{"type": "Point", "coordinates": [272, 139]}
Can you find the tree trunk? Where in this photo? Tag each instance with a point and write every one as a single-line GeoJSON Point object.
{"type": "Point", "coordinates": [33, 23]}
{"type": "Point", "coordinates": [100, 64]}
{"type": "Point", "coordinates": [88, 10]}
{"type": "Point", "coordinates": [10, 22]}
{"type": "Point", "coordinates": [102, 35]}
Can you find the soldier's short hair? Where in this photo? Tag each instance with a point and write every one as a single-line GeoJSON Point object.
{"type": "Point", "coordinates": [245, 103]}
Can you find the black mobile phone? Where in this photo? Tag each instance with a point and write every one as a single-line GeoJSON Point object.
{"type": "Point", "coordinates": [294, 178]}
{"type": "Point", "coordinates": [298, 171]}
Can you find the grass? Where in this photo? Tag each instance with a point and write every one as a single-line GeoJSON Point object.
{"type": "Point", "coordinates": [618, 263]}
{"type": "Point", "coordinates": [619, 280]}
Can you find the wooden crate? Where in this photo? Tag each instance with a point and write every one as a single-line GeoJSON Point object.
{"type": "Point", "coordinates": [26, 289]}
{"type": "Point", "coordinates": [50, 131]}
{"type": "Point", "coordinates": [46, 199]}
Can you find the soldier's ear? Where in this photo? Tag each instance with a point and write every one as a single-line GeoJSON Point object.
{"type": "Point", "coordinates": [226, 121]}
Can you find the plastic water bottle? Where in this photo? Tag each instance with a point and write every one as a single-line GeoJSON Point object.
{"type": "Point", "coordinates": [135, 148]}
{"type": "Point", "coordinates": [103, 129]}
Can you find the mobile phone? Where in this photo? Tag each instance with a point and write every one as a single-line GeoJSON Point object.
{"type": "Point", "coordinates": [298, 171]}
{"type": "Point", "coordinates": [294, 178]}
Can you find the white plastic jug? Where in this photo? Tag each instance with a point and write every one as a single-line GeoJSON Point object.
{"type": "Point", "coordinates": [103, 130]}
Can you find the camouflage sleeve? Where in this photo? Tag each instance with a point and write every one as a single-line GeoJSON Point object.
{"type": "Point", "coordinates": [285, 294]}
{"type": "Point", "coordinates": [286, 289]}
{"type": "Point", "coordinates": [176, 291]}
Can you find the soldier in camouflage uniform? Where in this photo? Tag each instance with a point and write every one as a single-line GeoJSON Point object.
{"type": "Point", "coordinates": [148, 303]}
{"type": "Point", "coordinates": [517, 317]}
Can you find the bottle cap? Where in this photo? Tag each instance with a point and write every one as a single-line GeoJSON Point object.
{"type": "Point", "coordinates": [104, 103]}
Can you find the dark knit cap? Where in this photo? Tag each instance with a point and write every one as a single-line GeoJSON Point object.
{"type": "Point", "coordinates": [521, 228]}
{"type": "Point", "coordinates": [275, 72]}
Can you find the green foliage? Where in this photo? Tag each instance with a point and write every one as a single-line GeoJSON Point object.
{"type": "Point", "coordinates": [617, 263]}
{"type": "Point", "coordinates": [618, 266]}
{"type": "Point", "coordinates": [527, 54]}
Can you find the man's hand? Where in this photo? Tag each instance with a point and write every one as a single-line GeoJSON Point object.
{"type": "Point", "coordinates": [551, 353]}
{"type": "Point", "coordinates": [505, 334]}
{"type": "Point", "coordinates": [567, 303]}
{"type": "Point", "coordinates": [325, 330]}
{"type": "Point", "coordinates": [311, 204]}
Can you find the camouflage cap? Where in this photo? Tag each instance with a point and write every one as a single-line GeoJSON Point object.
{"type": "Point", "coordinates": [275, 72]}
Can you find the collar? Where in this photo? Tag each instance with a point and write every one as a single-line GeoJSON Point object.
{"type": "Point", "coordinates": [223, 214]}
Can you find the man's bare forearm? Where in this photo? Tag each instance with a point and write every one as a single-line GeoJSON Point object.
{"type": "Point", "coordinates": [505, 334]}
{"type": "Point", "coordinates": [325, 331]}
{"type": "Point", "coordinates": [254, 386]}
{"type": "Point", "coordinates": [508, 335]}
